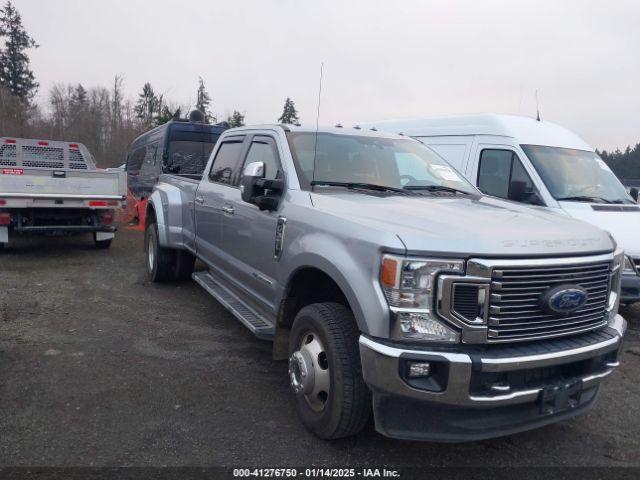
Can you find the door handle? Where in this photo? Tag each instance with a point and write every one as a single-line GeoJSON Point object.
{"type": "Point", "coordinates": [228, 209]}
{"type": "Point", "coordinates": [199, 200]}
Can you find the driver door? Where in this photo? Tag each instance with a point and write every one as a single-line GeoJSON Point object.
{"type": "Point", "coordinates": [249, 233]}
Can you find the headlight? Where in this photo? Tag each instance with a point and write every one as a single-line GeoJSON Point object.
{"type": "Point", "coordinates": [616, 280]}
{"type": "Point", "coordinates": [629, 267]}
{"type": "Point", "coordinates": [409, 287]}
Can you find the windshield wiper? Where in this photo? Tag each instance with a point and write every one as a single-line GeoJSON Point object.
{"type": "Point", "coordinates": [580, 198]}
{"type": "Point", "coordinates": [358, 185]}
{"type": "Point", "coordinates": [435, 188]}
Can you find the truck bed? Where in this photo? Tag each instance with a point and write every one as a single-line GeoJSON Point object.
{"type": "Point", "coordinates": [42, 173]}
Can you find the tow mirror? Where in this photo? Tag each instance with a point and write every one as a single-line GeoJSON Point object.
{"type": "Point", "coordinates": [634, 193]}
{"type": "Point", "coordinates": [252, 173]}
{"type": "Point", "coordinates": [254, 188]}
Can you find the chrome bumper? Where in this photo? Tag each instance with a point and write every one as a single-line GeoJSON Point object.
{"type": "Point", "coordinates": [381, 365]}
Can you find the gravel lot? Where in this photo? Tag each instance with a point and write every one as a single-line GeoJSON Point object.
{"type": "Point", "coordinates": [100, 367]}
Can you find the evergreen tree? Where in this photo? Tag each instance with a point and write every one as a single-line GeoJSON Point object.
{"type": "Point", "coordinates": [236, 119]}
{"type": "Point", "coordinates": [15, 73]}
{"type": "Point", "coordinates": [79, 100]}
{"type": "Point", "coordinates": [289, 113]}
{"type": "Point", "coordinates": [204, 101]}
{"type": "Point", "coordinates": [147, 106]}
{"type": "Point", "coordinates": [167, 114]}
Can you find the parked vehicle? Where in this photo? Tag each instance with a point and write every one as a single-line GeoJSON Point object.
{"type": "Point", "coordinates": [54, 188]}
{"type": "Point", "coordinates": [538, 163]}
{"type": "Point", "coordinates": [178, 146]}
{"type": "Point", "coordinates": [391, 284]}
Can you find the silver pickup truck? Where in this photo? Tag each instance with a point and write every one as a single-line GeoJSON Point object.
{"type": "Point", "coordinates": [49, 187]}
{"type": "Point", "coordinates": [392, 285]}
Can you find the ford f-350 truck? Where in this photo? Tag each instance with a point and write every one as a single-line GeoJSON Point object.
{"type": "Point", "coordinates": [392, 285]}
{"type": "Point", "coordinates": [50, 187]}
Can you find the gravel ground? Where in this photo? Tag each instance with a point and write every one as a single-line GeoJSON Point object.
{"type": "Point", "coordinates": [99, 367]}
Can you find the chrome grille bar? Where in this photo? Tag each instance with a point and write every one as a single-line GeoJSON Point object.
{"type": "Point", "coordinates": [516, 311]}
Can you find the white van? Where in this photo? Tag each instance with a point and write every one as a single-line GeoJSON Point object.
{"type": "Point", "coordinates": [539, 163]}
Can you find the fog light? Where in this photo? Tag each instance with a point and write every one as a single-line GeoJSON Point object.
{"type": "Point", "coordinates": [420, 326]}
{"type": "Point", "coordinates": [419, 370]}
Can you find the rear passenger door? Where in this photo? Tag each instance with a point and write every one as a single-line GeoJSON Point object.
{"type": "Point", "coordinates": [249, 233]}
{"type": "Point", "coordinates": [210, 201]}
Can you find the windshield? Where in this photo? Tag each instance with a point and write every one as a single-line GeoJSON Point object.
{"type": "Point", "coordinates": [576, 175]}
{"type": "Point", "coordinates": [393, 163]}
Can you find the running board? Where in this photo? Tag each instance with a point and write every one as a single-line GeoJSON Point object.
{"type": "Point", "coordinates": [260, 326]}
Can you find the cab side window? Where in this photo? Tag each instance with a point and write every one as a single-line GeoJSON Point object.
{"type": "Point", "coordinates": [263, 149]}
{"type": "Point", "coordinates": [226, 163]}
{"type": "Point", "coordinates": [501, 174]}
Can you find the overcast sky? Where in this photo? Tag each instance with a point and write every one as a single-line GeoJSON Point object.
{"type": "Point", "coordinates": [383, 59]}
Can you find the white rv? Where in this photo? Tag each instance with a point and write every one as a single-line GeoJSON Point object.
{"type": "Point", "coordinates": [539, 163]}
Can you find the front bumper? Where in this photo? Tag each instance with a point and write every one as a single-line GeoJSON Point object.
{"type": "Point", "coordinates": [482, 392]}
{"type": "Point", "coordinates": [630, 289]}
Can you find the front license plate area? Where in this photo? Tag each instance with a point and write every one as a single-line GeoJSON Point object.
{"type": "Point", "coordinates": [560, 397]}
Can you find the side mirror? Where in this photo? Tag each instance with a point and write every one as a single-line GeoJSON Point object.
{"type": "Point", "coordinates": [517, 191]}
{"type": "Point", "coordinates": [252, 173]}
{"type": "Point", "coordinates": [254, 188]}
{"type": "Point", "coordinates": [634, 193]}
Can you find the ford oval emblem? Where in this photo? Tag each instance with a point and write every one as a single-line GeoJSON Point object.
{"type": "Point", "coordinates": [564, 299]}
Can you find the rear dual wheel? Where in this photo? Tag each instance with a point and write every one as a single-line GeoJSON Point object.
{"type": "Point", "coordinates": [325, 373]}
{"type": "Point", "coordinates": [165, 264]}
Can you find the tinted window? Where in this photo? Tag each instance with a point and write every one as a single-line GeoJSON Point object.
{"type": "Point", "coordinates": [150, 154]}
{"type": "Point", "coordinates": [263, 150]}
{"type": "Point", "coordinates": [501, 174]}
{"type": "Point", "coordinates": [494, 172]}
{"type": "Point", "coordinates": [188, 157]}
{"type": "Point", "coordinates": [225, 165]}
{"type": "Point", "coordinates": [135, 160]}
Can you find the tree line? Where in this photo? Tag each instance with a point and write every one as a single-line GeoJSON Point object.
{"type": "Point", "coordinates": [100, 117]}
{"type": "Point", "coordinates": [626, 165]}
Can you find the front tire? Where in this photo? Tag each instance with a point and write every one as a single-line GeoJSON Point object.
{"type": "Point", "coordinates": [325, 371]}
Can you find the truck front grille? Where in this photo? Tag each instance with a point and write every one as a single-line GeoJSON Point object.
{"type": "Point", "coordinates": [515, 307]}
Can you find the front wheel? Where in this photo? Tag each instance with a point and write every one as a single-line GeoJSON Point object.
{"type": "Point", "coordinates": [325, 371]}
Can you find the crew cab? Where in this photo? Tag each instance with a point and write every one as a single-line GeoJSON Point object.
{"type": "Point", "coordinates": [392, 285]}
{"type": "Point", "coordinates": [54, 188]}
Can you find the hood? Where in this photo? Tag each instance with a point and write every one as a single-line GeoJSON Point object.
{"type": "Point", "coordinates": [623, 225]}
{"type": "Point", "coordinates": [467, 226]}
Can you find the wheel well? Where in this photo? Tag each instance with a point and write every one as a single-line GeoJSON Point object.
{"type": "Point", "coordinates": [307, 286]}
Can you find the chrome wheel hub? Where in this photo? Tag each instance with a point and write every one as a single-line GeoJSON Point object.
{"type": "Point", "coordinates": [309, 371]}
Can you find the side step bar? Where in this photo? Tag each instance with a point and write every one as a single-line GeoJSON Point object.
{"type": "Point", "coordinates": [259, 325]}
